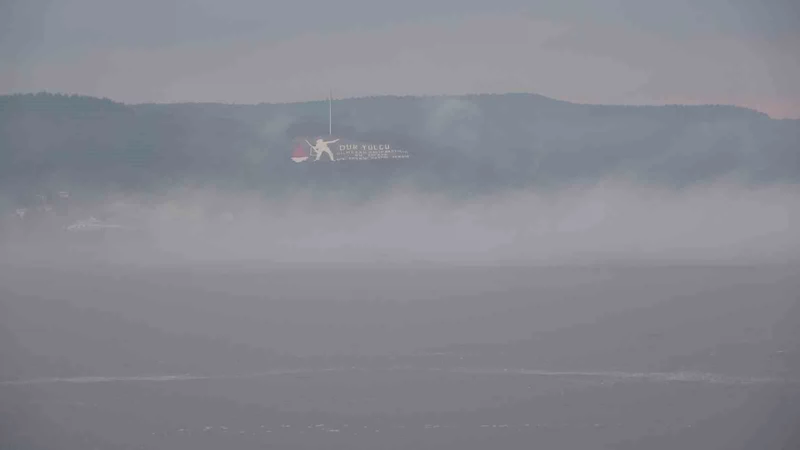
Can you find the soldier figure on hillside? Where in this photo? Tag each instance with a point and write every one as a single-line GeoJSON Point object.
{"type": "Point", "coordinates": [322, 147]}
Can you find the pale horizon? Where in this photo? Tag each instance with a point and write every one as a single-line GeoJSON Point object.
{"type": "Point", "coordinates": [617, 53]}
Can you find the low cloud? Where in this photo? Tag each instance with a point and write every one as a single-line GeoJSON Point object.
{"type": "Point", "coordinates": [716, 223]}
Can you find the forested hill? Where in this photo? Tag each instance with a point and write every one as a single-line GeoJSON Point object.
{"type": "Point", "coordinates": [460, 144]}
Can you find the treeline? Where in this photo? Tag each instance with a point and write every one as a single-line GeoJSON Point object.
{"type": "Point", "coordinates": [467, 144]}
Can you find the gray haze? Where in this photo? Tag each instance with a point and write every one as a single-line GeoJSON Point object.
{"type": "Point", "coordinates": [540, 273]}
{"type": "Point", "coordinates": [461, 145]}
{"type": "Point", "coordinates": [611, 51]}
{"type": "Point", "coordinates": [611, 315]}
{"type": "Point", "coordinates": [723, 223]}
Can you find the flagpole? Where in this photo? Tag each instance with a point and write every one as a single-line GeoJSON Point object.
{"type": "Point", "coordinates": [330, 113]}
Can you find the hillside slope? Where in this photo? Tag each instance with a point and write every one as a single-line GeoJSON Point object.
{"type": "Point", "coordinates": [461, 144]}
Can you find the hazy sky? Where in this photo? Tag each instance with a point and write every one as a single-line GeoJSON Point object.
{"type": "Point", "coordinates": [249, 51]}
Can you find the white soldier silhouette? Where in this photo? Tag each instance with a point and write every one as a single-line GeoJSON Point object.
{"type": "Point", "coordinates": [322, 147]}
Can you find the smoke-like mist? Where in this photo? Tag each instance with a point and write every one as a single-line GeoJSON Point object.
{"type": "Point", "coordinates": [720, 223]}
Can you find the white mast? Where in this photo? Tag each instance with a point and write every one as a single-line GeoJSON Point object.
{"type": "Point", "coordinates": [330, 113]}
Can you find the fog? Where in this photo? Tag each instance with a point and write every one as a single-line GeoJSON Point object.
{"type": "Point", "coordinates": [721, 222]}
{"type": "Point", "coordinates": [528, 267]}
{"type": "Point", "coordinates": [613, 315]}
{"type": "Point", "coordinates": [442, 305]}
